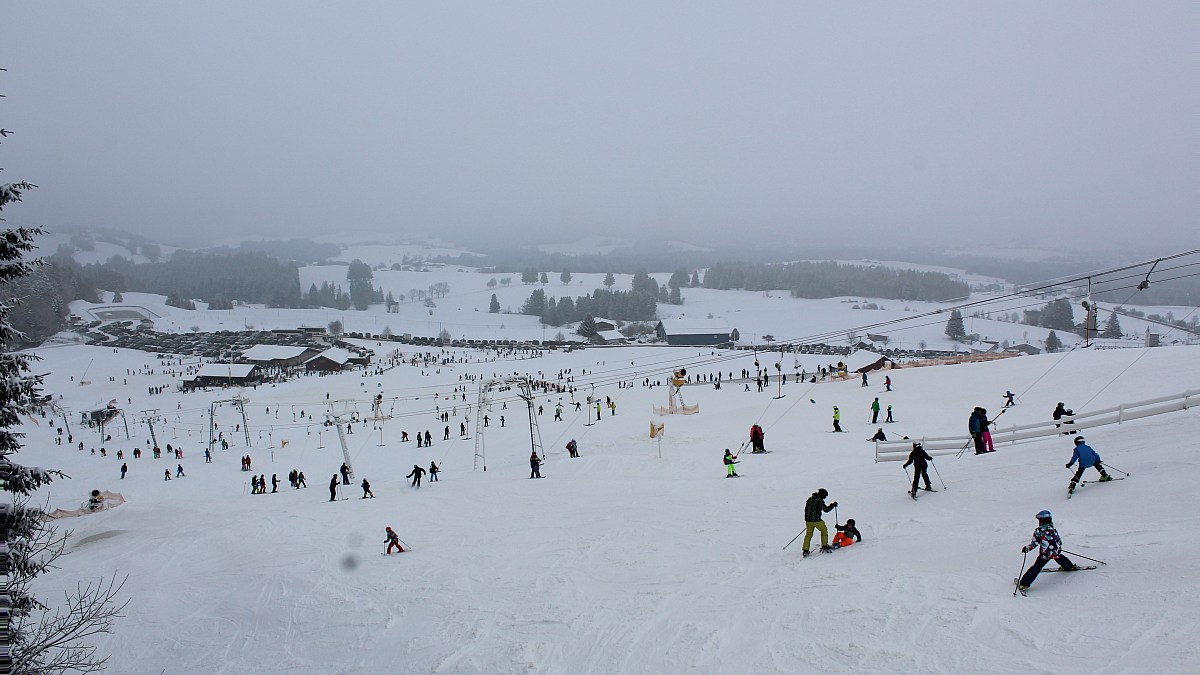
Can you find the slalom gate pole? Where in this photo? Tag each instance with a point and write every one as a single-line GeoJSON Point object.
{"type": "Point", "coordinates": [939, 475]}
{"type": "Point", "coordinates": [1024, 557]}
{"type": "Point", "coordinates": [1080, 555]}
{"type": "Point", "coordinates": [1108, 466]}
{"type": "Point", "coordinates": [793, 539]}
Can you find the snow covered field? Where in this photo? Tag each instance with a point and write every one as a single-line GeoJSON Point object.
{"type": "Point", "coordinates": [622, 562]}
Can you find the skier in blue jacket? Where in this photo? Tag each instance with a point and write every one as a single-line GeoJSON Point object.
{"type": "Point", "coordinates": [1087, 458]}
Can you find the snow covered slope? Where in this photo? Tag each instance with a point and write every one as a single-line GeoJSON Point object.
{"type": "Point", "coordinates": [622, 562]}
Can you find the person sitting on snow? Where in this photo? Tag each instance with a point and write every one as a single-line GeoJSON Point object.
{"type": "Point", "coordinates": [846, 534]}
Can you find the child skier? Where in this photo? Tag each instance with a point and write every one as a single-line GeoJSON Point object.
{"type": "Point", "coordinates": [535, 462]}
{"type": "Point", "coordinates": [846, 534]}
{"type": "Point", "coordinates": [433, 472]}
{"type": "Point", "coordinates": [1088, 458]}
{"type": "Point", "coordinates": [837, 419]}
{"type": "Point", "coordinates": [393, 539]}
{"type": "Point", "coordinates": [919, 460]}
{"type": "Point", "coordinates": [366, 488]}
{"type": "Point", "coordinates": [730, 472]}
{"type": "Point", "coordinates": [1046, 539]}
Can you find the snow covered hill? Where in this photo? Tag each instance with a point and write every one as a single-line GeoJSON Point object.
{"type": "Point", "coordinates": [620, 561]}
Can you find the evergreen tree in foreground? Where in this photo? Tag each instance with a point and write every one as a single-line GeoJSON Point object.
{"type": "Point", "coordinates": [1053, 344]}
{"type": "Point", "coordinates": [54, 641]}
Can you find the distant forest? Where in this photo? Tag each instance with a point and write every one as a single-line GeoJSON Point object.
{"type": "Point", "coordinates": [830, 279]}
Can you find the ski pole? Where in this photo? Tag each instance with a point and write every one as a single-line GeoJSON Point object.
{"type": "Point", "coordinates": [1017, 585]}
{"type": "Point", "coordinates": [793, 539]}
{"type": "Point", "coordinates": [1080, 555]}
{"type": "Point", "coordinates": [939, 475]}
{"type": "Point", "coordinates": [964, 448]}
{"type": "Point", "coordinates": [1109, 466]}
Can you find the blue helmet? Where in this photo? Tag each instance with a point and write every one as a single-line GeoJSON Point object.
{"type": "Point", "coordinates": [1044, 515]}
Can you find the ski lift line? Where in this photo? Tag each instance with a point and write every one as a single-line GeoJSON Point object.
{"type": "Point", "coordinates": [1143, 353]}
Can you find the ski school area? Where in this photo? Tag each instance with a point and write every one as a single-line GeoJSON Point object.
{"type": "Point", "coordinates": [636, 556]}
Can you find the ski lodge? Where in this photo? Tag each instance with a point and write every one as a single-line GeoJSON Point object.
{"type": "Point", "coordinates": [696, 333]}
{"type": "Point", "coordinates": [226, 375]}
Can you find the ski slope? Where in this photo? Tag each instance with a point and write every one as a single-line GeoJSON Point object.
{"type": "Point", "coordinates": [622, 562]}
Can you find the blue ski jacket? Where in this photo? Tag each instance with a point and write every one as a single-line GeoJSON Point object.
{"type": "Point", "coordinates": [1086, 456]}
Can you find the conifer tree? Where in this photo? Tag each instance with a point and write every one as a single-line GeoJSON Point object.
{"type": "Point", "coordinates": [954, 327]}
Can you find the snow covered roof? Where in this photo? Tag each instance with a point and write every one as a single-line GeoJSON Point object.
{"type": "Point", "coordinates": [272, 352]}
{"type": "Point", "coordinates": [695, 327]}
{"type": "Point", "coordinates": [862, 358]}
{"type": "Point", "coordinates": [226, 369]}
{"type": "Point", "coordinates": [610, 335]}
{"type": "Point", "coordinates": [336, 354]}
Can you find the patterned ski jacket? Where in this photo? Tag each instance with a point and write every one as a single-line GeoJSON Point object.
{"type": "Point", "coordinates": [814, 507]}
{"type": "Point", "coordinates": [1046, 538]}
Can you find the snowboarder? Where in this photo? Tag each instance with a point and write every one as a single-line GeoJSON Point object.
{"type": "Point", "coordinates": [433, 472]}
{"type": "Point", "coordinates": [1088, 458]}
{"type": "Point", "coordinates": [919, 459]}
{"type": "Point", "coordinates": [393, 540]}
{"type": "Point", "coordinates": [572, 448]}
{"type": "Point", "coordinates": [333, 486]}
{"type": "Point", "coordinates": [1008, 398]}
{"type": "Point", "coordinates": [837, 419]}
{"type": "Point", "coordinates": [879, 435]}
{"type": "Point", "coordinates": [875, 411]}
{"type": "Point", "coordinates": [366, 488]}
{"type": "Point", "coordinates": [416, 474]}
{"type": "Point", "coordinates": [535, 462]}
{"type": "Point", "coordinates": [1046, 539]}
{"type": "Point", "coordinates": [124, 470]}
{"type": "Point", "coordinates": [813, 508]}
{"type": "Point", "coordinates": [846, 534]}
{"type": "Point", "coordinates": [730, 471]}
{"type": "Point", "coordinates": [756, 440]}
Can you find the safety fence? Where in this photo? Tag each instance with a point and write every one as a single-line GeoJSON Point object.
{"type": "Point", "coordinates": [897, 451]}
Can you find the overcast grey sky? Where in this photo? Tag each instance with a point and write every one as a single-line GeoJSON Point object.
{"type": "Point", "coordinates": [829, 121]}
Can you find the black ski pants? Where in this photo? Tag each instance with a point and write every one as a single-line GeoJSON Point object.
{"type": "Point", "coordinates": [1079, 472]}
{"type": "Point", "coordinates": [921, 471]}
{"type": "Point", "coordinates": [980, 448]}
{"type": "Point", "coordinates": [1036, 568]}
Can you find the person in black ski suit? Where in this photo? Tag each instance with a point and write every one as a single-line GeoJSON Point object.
{"type": "Point", "coordinates": [1049, 545]}
{"type": "Point", "coordinates": [975, 427]}
{"type": "Point", "coordinates": [345, 471]}
{"type": "Point", "coordinates": [1061, 411]}
{"type": "Point", "coordinates": [416, 474]}
{"type": "Point", "coordinates": [919, 459]}
{"type": "Point", "coordinates": [433, 472]}
{"type": "Point", "coordinates": [333, 486]}
{"type": "Point", "coordinates": [366, 488]}
{"type": "Point", "coordinates": [535, 465]}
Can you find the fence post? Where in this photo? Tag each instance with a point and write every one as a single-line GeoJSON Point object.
{"type": "Point", "coordinates": [1013, 435]}
{"type": "Point", "coordinates": [1120, 412]}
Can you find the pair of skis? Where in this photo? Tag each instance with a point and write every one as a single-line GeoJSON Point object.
{"type": "Point", "coordinates": [1023, 591]}
{"type": "Point", "coordinates": [913, 493]}
{"type": "Point", "coordinates": [1071, 490]}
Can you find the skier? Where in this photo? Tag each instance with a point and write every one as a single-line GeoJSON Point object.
{"type": "Point", "coordinates": [207, 456]}
{"type": "Point", "coordinates": [433, 472]}
{"type": "Point", "coordinates": [1060, 412]}
{"type": "Point", "coordinates": [124, 469]}
{"type": "Point", "coordinates": [393, 540]}
{"type": "Point", "coordinates": [428, 438]}
{"type": "Point", "coordinates": [864, 379]}
{"type": "Point", "coordinates": [846, 534]}
{"type": "Point", "coordinates": [730, 472]}
{"type": "Point", "coordinates": [1046, 539]}
{"type": "Point", "coordinates": [1008, 398]}
{"type": "Point", "coordinates": [558, 413]}
{"type": "Point", "coordinates": [274, 483]}
{"type": "Point", "coordinates": [366, 488]}
{"type": "Point", "coordinates": [887, 382]}
{"type": "Point", "coordinates": [572, 448]}
{"type": "Point", "coordinates": [300, 482]}
{"type": "Point", "coordinates": [345, 471]}
{"type": "Point", "coordinates": [535, 463]}
{"type": "Point", "coordinates": [879, 435]}
{"type": "Point", "coordinates": [875, 411]}
{"type": "Point", "coordinates": [333, 486]}
{"type": "Point", "coordinates": [813, 508]}
{"type": "Point", "coordinates": [166, 474]}
{"type": "Point", "coordinates": [919, 459]}
{"type": "Point", "coordinates": [446, 434]}
{"type": "Point", "coordinates": [179, 471]}
{"type": "Point", "coordinates": [974, 426]}
{"type": "Point", "coordinates": [1088, 458]}
{"type": "Point", "coordinates": [889, 419]}
{"type": "Point", "coordinates": [756, 439]}
{"type": "Point", "coordinates": [416, 474]}
{"type": "Point", "coordinates": [253, 485]}
{"type": "Point", "coordinates": [837, 419]}
{"type": "Point", "coordinates": [985, 429]}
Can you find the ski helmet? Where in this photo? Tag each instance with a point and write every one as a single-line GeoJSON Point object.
{"type": "Point", "coordinates": [1079, 440]}
{"type": "Point", "coordinates": [1044, 515]}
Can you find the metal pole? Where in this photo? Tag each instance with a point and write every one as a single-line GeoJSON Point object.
{"type": "Point", "coordinates": [1080, 555]}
